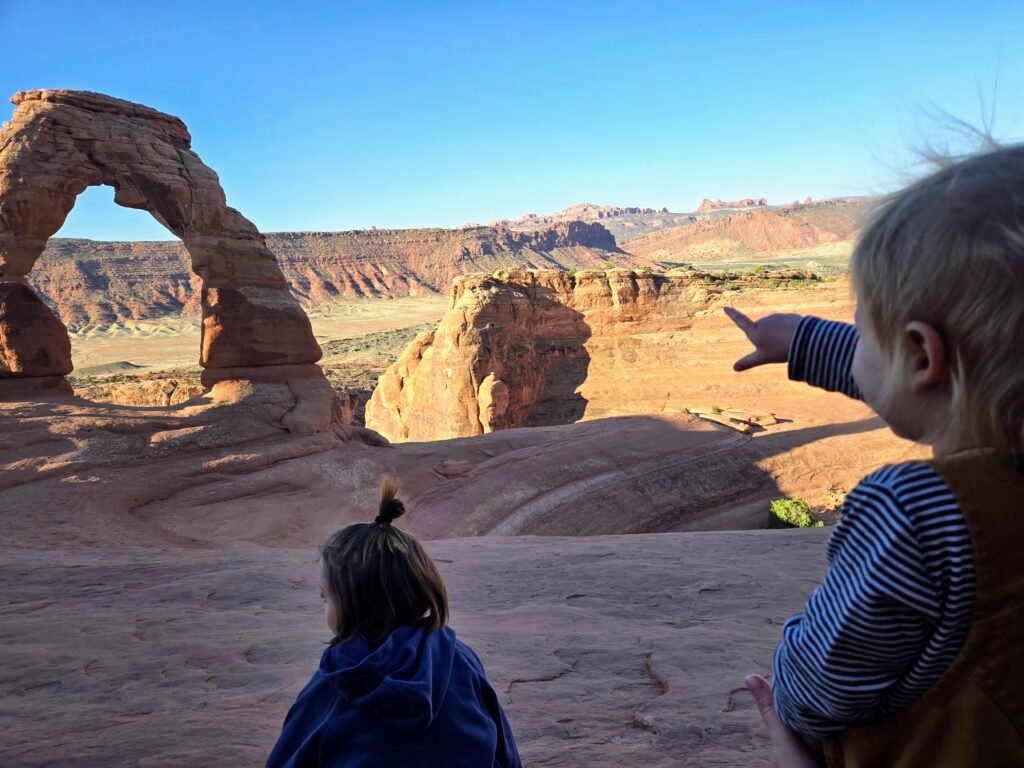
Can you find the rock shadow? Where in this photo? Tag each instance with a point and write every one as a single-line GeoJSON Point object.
{"type": "Point", "coordinates": [560, 349]}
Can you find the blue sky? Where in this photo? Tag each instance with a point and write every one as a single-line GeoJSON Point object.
{"type": "Point", "coordinates": [342, 115]}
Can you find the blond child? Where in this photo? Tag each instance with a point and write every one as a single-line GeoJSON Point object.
{"type": "Point", "coordinates": [911, 652]}
{"type": "Point", "coordinates": [395, 687]}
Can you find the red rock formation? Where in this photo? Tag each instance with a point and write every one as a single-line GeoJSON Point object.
{"type": "Point", "coordinates": [509, 353]}
{"type": "Point", "coordinates": [760, 230]}
{"type": "Point", "coordinates": [87, 282]}
{"type": "Point", "coordinates": [60, 142]}
{"type": "Point", "coordinates": [581, 212]}
{"type": "Point", "coordinates": [524, 348]}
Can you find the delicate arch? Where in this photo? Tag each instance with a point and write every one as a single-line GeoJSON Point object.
{"type": "Point", "coordinates": [58, 143]}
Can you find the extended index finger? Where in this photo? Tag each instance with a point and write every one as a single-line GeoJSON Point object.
{"type": "Point", "coordinates": [745, 323]}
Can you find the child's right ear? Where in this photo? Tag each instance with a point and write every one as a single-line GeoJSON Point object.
{"type": "Point", "coordinates": [928, 361]}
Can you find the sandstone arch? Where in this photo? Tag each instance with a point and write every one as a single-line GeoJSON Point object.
{"type": "Point", "coordinates": [60, 142]}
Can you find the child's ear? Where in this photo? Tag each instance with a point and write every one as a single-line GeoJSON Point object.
{"type": "Point", "coordinates": [929, 364]}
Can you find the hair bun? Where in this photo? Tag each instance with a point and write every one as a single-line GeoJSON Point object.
{"type": "Point", "coordinates": [391, 507]}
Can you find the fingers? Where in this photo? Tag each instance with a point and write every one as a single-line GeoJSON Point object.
{"type": "Point", "coordinates": [745, 323]}
{"type": "Point", "coordinates": [761, 690]}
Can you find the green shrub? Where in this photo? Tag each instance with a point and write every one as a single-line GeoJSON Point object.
{"type": "Point", "coordinates": [791, 513]}
{"type": "Point", "coordinates": [716, 410]}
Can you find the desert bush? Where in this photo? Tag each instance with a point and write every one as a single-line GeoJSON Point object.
{"type": "Point", "coordinates": [716, 410]}
{"type": "Point", "coordinates": [836, 496]}
{"type": "Point", "coordinates": [791, 513]}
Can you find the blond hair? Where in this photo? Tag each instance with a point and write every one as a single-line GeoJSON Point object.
{"type": "Point", "coordinates": [949, 251]}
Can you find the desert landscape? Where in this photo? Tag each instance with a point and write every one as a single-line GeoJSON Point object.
{"type": "Point", "coordinates": [185, 422]}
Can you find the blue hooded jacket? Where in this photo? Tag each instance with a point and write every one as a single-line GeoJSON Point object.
{"type": "Point", "coordinates": [419, 699]}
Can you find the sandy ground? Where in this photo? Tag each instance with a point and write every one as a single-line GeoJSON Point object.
{"type": "Point", "coordinates": [173, 343]}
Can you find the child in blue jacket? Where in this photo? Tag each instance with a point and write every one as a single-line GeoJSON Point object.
{"type": "Point", "coordinates": [395, 687]}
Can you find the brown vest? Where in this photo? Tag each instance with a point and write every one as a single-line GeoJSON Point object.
{"type": "Point", "coordinates": [973, 717]}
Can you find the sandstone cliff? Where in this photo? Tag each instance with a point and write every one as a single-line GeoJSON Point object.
{"type": "Point", "coordinates": [88, 282]}
{"type": "Point", "coordinates": [525, 348]}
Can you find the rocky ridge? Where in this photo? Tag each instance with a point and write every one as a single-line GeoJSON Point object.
{"type": "Point", "coordinates": [758, 231]}
{"type": "Point", "coordinates": [578, 212]}
{"type": "Point", "coordinates": [707, 205]}
{"type": "Point", "coordinates": [88, 282]}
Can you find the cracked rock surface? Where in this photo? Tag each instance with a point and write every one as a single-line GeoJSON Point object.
{"type": "Point", "coordinates": [606, 651]}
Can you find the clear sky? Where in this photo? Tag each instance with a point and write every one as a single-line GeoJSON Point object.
{"type": "Point", "coordinates": [342, 115]}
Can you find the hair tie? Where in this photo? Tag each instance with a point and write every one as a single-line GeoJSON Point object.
{"type": "Point", "coordinates": [379, 520]}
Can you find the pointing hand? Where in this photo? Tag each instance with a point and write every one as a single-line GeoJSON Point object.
{"type": "Point", "coordinates": [771, 337]}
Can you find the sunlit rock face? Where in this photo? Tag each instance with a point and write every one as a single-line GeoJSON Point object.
{"type": "Point", "coordinates": [60, 142]}
{"type": "Point", "coordinates": [537, 348]}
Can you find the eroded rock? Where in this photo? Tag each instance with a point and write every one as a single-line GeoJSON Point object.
{"type": "Point", "coordinates": [58, 143]}
{"type": "Point", "coordinates": [525, 348]}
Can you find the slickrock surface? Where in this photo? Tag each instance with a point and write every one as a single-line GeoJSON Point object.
{"type": "Point", "coordinates": [160, 605]}
{"type": "Point", "coordinates": [607, 651]}
{"type": "Point", "coordinates": [60, 142]}
{"type": "Point", "coordinates": [215, 474]}
{"type": "Point", "coordinates": [89, 283]}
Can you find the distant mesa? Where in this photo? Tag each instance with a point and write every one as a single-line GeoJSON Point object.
{"type": "Point", "coordinates": [706, 205]}
{"type": "Point", "coordinates": [580, 212]}
{"type": "Point", "coordinates": [60, 142]}
{"type": "Point", "coordinates": [81, 280]}
{"type": "Point", "coordinates": [731, 233]}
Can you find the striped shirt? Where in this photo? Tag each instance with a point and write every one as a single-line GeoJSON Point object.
{"type": "Point", "coordinates": [895, 606]}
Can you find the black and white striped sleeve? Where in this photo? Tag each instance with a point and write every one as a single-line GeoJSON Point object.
{"type": "Point", "coordinates": [821, 354]}
{"type": "Point", "coordinates": [892, 613]}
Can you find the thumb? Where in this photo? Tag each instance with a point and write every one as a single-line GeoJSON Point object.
{"type": "Point", "coordinates": [761, 690]}
{"type": "Point", "coordinates": [752, 360]}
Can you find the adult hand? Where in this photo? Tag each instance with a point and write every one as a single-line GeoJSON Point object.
{"type": "Point", "coordinates": [788, 749]}
{"type": "Point", "coordinates": [771, 337]}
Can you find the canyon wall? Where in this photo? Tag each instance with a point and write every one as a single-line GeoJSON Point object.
{"type": "Point", "coordinates": [536, 348]}
{"type": "Point", "coordinates": [87, 282]}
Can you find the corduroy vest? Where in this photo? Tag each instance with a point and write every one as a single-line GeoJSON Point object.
{"type": "Point", "coordinates": [973, 717]}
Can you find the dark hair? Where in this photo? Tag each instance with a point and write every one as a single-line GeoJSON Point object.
{"type": "Point", "coordinates": [380, 577]}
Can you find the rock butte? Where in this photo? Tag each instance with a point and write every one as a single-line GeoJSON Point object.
{"type": "Point", "coordinates": [536, 348]}
{"type": "Point", "coordinates": [254, 333]}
